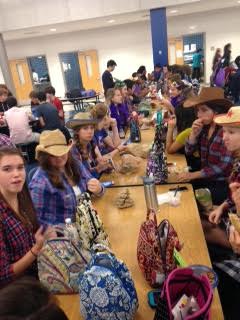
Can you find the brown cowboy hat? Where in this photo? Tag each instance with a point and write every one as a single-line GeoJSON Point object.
{"type": "Point", "coordinates": [81, 119]}
{"type": "Point", "coordinates": [209, 94]}
{"type": "Point", "coordinates": [53, 142]}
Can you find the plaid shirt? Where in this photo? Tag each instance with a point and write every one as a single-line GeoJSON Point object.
{"type": "Point", "coordinates": [15, 241]}
{"type": "Point", "coordinates": [231, 266]}
{"type": "Point", "coordinates": [216, 161]}
{"type": "Point", "coordinates": [5, 141]}
{"type": "Point", "coordinates": [54, 205]}
{"type": "Point", "coordinates": [234, 177]}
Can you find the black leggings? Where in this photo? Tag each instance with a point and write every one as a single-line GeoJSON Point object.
{"type": "Point", "coordinates": [229, 292]}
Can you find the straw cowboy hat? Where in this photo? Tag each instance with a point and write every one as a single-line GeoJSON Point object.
{"type": "Point", "coordinates": [232, 118]}
{"type": "Point", "coordinates": [80, 119]}
{"type": "Point", "coordinates": [210, 94]}
{"type": "Point", "coordinates": [53, 143]}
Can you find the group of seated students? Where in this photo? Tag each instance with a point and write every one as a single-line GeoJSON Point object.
{"type": "Point", "coordinates": [66, 168]}
{"type": "Point", "coordinates": [205, 127]}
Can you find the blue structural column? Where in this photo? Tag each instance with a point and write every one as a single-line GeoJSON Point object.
{"type": "Point", "coordinates": [159, 36]}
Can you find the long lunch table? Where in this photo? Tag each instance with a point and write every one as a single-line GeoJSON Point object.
{"type": "Point", "coordinates": [79, 102]}
{"type": "Point", "coordinates": [122, 226]}
{"type": "Point", "coordinates": [132, 179]}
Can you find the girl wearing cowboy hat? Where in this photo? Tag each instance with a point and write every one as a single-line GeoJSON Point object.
{"type": "Point", "coordinates": [85, 148]}
{"type": "Point", "coordinates": [217, 230]}
{"type": "Point", "coordinates": [207, 137]}
{"type": "Point", "coordinates": [56, 186]}
{"type": "Point", "coordinates": [214, 230]}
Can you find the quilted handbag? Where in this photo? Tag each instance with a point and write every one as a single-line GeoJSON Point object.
{"type": "Point", "coordinates": [157, 161]}
{"type": "Point", "coordinates": [155, 248]}
{"type": "Point", "coordinates": [89, 226]}
{"type": "Point", "coordinates": [60, 262]}
{"type": "Point", "coordinates": [107, 290]}
{"type": "Point", "coordinates": [184, 281]}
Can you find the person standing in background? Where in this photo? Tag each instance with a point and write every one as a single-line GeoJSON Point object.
{"type": "Point", "coordinates": [197, 59]}
{"type": "Point", "coordinates": [235, 82]}
{"type": "Point", "coordinates": [216, 58]}
{"type": "Point", "coordinates": [35, 76]}
{"type": "Point", "coordinates": [226, 58]}
{"type": "Point", "coordinates": [107, 78]}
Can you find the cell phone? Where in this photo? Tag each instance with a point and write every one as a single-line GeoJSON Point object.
{"type": "Point", "coordinates": [154, 297]}
{"type": "Point", "coordinates": [179, 189]}
{"type": "Point", "coordinates": [126, 142]}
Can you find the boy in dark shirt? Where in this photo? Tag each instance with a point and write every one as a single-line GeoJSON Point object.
{"type": "Point", "coordinates": [107, 78]}
{"type": "Point", "coordinates": [47, 113]}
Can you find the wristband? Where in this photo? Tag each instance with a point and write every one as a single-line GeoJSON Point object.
{"type": "Point", "coordinates": [34, 254]}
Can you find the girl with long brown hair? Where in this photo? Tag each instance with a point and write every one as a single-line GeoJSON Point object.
{"type": "Point", "coordinates": [57, 185]}
{"type": "Point", "coordinates": [21, 239]}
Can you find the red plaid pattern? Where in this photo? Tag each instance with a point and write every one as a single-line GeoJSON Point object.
{"type": "Point", "coordinates": [216, 161]}
{"type": "Point", "coordinates": [15, 241]}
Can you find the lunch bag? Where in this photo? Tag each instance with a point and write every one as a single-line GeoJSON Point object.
{"type": "Point", "coordinates": [157, 160]}
{"type": "Point", "coordinates": [60, 262]}
{"type": "Point", "coordinates": [88, 93]}
{"type": "Point", "coordinates": [89, 225]}
{"type": "Point", "coordinates": [155, 249]}
{"type": "Point", "coordinates": [107, 290]}
{"type": "Point", "coordinates": [184, 281]}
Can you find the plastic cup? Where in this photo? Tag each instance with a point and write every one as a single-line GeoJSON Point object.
{"type": "Point", "coordinates": [174, 198]}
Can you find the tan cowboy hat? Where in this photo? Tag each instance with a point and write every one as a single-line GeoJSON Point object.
{"type": "Point", "coordinates": [209, 94]}
{"type": "Point", "coordinates": [53, 143]}
{"type": "Point", "coordinates": [80, 119]}
{"type": "Point", "coordinates": [232, 118]}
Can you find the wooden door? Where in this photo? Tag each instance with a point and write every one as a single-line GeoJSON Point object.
{"type": "Point", "coordinates": [89, 69]}
{"type": "Point", "coordinates": [22, 79]}
{"type": "Point", "coordinates": [176, 45]}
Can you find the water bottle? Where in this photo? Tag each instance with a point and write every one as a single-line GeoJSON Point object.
{"type": "Point", "coordinates": [71, 231]}
{"type": "Point", "coordinates": [150, 193]}
{"type": "Point", "coordinates": [159, 118]}
{"type": "Point", "coordinates": [121, 133]}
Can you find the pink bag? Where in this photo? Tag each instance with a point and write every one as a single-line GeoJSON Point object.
{"type": "Point", "coordinates": [155, 249]}
{"type": "Point", "coordinates": [184, 281]}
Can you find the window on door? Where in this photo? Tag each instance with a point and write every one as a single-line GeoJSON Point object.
{"type": "Point", "coordinates": [20, 73]}
{"type": "Point", "coordinates": [39, 72]}
{"type": "Point", "coordinates": [71, 70]}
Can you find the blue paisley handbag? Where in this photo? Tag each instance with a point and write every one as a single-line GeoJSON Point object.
{"type": "Point", "coordinates": [107, 290]}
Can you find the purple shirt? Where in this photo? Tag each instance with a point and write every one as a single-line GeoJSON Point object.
{"type": "Point", "coordinates": [121, 114]}
{"type": "Point", "coordinates": [176, 101]}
